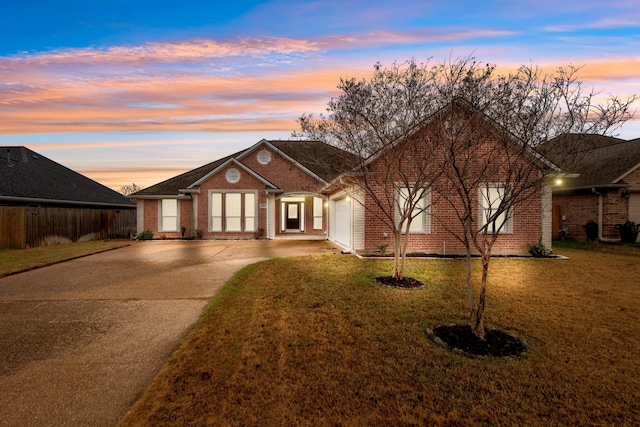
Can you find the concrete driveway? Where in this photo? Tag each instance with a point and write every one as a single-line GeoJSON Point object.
{"type": "Point", "coordinates": [80, 341]}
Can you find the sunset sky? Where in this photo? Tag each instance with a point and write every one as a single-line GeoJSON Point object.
{"type": "Point", "coordinates": [139, 91]}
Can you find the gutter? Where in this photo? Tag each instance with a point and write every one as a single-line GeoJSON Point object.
{"type": "Point", "coordinates": [64, 202]}
{"type": "Point", "coordinates": [600, 210]}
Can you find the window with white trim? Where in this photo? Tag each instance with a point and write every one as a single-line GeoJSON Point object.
{"type": "Point", "coordinates": [318, 209]}
{"type": "Point", "coordinates": [249, 212]}
{"type": "Point", "coordinates": [421, 222]}
{"type": "Point", "coordinates": [169, 215]}
{"type": "Point", "coordinates": [491, 197]}
{"type": "Point", "coordinates": [216, 212]}
{"type": "Point", "coordinates": [232, 211]}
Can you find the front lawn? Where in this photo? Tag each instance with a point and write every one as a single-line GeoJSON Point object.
{"type": "Point", "coordinates": [314, 341]}
{"type": "Point", "coordinates": [17, 260]}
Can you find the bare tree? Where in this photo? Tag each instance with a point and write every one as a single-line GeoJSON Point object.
{"type": "Point", "coordinates": [391, 168]}
{"type": "Point", "coordinates": [490, 129]}
{"type": "Point", "coordinates": [130, 189]}
{"type": "Point", "coordinates": [464, 134]}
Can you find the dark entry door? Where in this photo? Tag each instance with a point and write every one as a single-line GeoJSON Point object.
{"type": "Point", "coordinates": [293, 215]}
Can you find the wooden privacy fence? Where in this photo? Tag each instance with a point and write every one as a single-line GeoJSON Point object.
{"type": "Point", "coordinates": [28, 227]}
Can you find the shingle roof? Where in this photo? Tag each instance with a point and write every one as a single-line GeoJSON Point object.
{"type": "Point", "coordinates": [324, 160]}
{"type": "Point", "coordinates": [172, 186]}
{"type": "Point", "coordinates": [321, 159]}
{"type": "Point", "coordinates": [601, 160]}
{"type": "Point", "coordinates": [25, 174]}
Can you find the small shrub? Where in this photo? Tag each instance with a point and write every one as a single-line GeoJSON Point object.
{"type": "Point", "coordinates": [538, 250]}
{"type": "Point", "coordinates": [383, 248]}
{"type": "Point", "coordinates": [197, 233]}
{"type": "Point", "coordinates": [146, 235]}
{"type": "Point", "coordinates": [259, 234]}
{"type": "Point", "coordinates": [183, 230]}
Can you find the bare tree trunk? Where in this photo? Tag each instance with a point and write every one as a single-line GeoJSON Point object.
{"type": "Point", "coordinates": [477, 321]}
{"type": "Point", "coordinates": [398, 269]}
{"type": "Point", "coordinates": [469, 285]}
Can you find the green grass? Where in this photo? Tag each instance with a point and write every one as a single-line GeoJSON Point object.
{"type": "Point", "coordinates": [17, 260]}
{"type": "Point", "coordinates": [314, 341]}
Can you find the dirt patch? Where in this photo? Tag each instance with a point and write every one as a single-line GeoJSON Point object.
{"type": "Point", "coordinates": [460, 338]}
{"type": "Point", "coordinates": [403, 283]}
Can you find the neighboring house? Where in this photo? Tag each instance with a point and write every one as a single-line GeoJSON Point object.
{"type": "Point", "coordinates": [43, 202]}
{"type": "Point", "coordinates": [275, 189]}
{"type": "Point", "coordinates": [606, 190]}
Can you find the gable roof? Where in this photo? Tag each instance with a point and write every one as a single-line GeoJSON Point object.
{"type": "Point", "coordinates": [233, 161]}
{"type": "Point", "coordinates": [460, 103]}
{"type": "Point", "coordinates": [310, 156]}
{"type": "Point", "coordinates": [605, 161]}
{"type": "Point", "coordinates": [29, 177]}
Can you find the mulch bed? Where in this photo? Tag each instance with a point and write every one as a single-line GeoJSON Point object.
{"type": "Point", "coordinates": [403, 283]}
{"type": "Point", "coordinates": [459, 338]}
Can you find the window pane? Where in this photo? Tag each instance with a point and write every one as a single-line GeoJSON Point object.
{"type": "Point", "coordinates": [169, 215]}
{"type": "Point", "coordinates": [233, 206]}
{"type": "Point", "coordinates": [249, 212]}
{"type": "Point", "coordinates": [233, 224]}
{"type": "Point", "coordinates": [491, 199]}
{"type": "Point", "coordinates": [233, 211]}
{"type": "Point", "coordinates": [169, 223]}
{"type": "Point", "coordinates": [317, 206]}
{"type": "Point", "coordinates": [216, 204]}
{"type": "Point", "coordinates": [293, 211]}
{"type": "Point", "coordinates": [419, 222]}
{"type": "Point", "coordinates": [250, 204]}
{"type": "Point", "coordinates": [169, 207]}
{"type": "Point", "coordinates": [216, 211]}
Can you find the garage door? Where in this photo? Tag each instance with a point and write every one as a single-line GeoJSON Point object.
{"type": "Point", "coordinates": [634, 209]}
{"type": "Point", "coordinates": [342, 222]}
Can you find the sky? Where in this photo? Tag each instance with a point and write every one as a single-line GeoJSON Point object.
{"type": "Point", "coordinates": [139, 91]}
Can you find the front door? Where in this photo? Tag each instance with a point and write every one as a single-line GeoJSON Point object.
{"type": "Point", "coordinates": [292, 212]}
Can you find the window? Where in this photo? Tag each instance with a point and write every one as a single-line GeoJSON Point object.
{"type": "Point", "coordinates": [249, 212]}
{"type": "Point", "coordinates": [216, 211]}
{"type": "Point", "coordinates": [169, 215]}
{"type": "Point", "coordinates": [232, 211]}
{"type": "Point", "coordinates": [421, 222]}
{"type": "Point", "coordinates": [491, 197]}
{"type": "Point", "coordinates": [318, 208]}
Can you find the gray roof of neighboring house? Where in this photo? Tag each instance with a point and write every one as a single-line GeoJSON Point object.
{"type": "Point", "coordinates": [320, 159]}
{"type": "Point", "coordinates": [29, 177]}
{"type": "Point", "coordinates": [600, 161]}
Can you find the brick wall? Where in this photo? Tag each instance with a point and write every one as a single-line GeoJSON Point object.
{"type": "Point", "coordinates": [527, 216]}
{"type": "Point", "coordinates": [527, 228]}
{"type": "Point", "coordinates": [579, 207]}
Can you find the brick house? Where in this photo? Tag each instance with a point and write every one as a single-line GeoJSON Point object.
{"type": "Point", "coordinates": [606, 190]}
{"type": "Point", "coordinates": [355, 224]}
{"type": "Point", "coordinates": [272, 189]}
{"type": "Point", "coordinates": [283, 189]}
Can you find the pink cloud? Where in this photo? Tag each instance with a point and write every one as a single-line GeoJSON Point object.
{"type": "Point", "coordinates": [180, 51]}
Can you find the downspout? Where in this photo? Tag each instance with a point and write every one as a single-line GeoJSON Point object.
{"type": "Point", "coordinates": [600, 211]}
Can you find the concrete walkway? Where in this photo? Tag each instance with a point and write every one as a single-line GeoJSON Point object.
{"type": "Point", "coordinates": [80, 341]}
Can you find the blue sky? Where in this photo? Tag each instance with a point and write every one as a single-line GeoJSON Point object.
{"type": "Point", "coordinates": [126, 91]}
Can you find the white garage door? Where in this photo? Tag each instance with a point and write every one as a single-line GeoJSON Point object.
{"type": "Point", "coordinates": [634, 209]}
{"type": "Point", "coordinates": [341, 222]}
